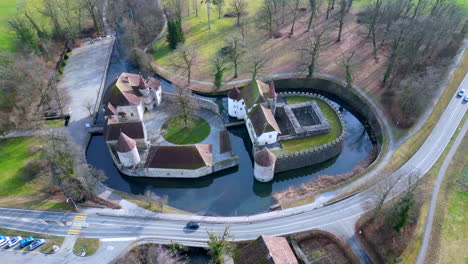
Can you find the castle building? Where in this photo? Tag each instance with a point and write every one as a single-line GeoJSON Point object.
{"type": "Point", "coordinates": [256, 104]}
{"type": "Point", "coordinates": [127, 151]}
{"type": "Point", "coordinates": [264, 168]}
{"type": "Point", "coordinates": [130, 95]}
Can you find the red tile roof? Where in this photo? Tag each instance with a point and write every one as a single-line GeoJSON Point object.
{"type": "Point", "coordinates": [180, 157]}
{"type": "Point", "coordinates": [265, 157]}
{"type": "Point", "coordinates": [125, 143]}
{"type": "Point", "coordinates": [234, 94]}
{"type": "Point", "coordinates": [134, 130]}
{"type": "Point", "coordinates": [263, 120]}
{"type": "Point", "coordinates": [267, 250]}
{"type": "Point", "coordinates": [154, 83]}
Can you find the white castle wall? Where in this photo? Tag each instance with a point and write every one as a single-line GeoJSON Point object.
{"type": "Point", "coordinates": [264, 174]}
{"type": "Point", "coordinates": [129, 159]}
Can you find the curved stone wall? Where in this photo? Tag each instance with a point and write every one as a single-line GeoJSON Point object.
{"type": "Point", "coordinates": [349, 97]}
{"type": "Point", "coordinates": [295, 160]}
{"type": "Point", "coordinates": [202, 103]}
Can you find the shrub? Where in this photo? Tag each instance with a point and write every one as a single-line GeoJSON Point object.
{"type": "Point", "coordinates": [33, 168]}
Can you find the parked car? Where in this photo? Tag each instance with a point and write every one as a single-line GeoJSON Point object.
{"type": "Point", "coordinates": [466, 98]}
{"type": "Point", "coordinates": [192, 225]}
{"type": "Point", "coordinates": [2, 238]}
{"type": "Point", "coordinates": [4, 241]}
{"type": "Point", "coordinates": [461, 93]}
{"type": "Point", "coordinates": [26, 241]}
{"type": "Point", "coordinates": [36, 244]}
{"type": "Point", "coordinates": [14, 241]}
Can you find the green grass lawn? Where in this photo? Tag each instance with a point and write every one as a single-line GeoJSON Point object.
{"type": "Point", "coordinates": [198, 129]}
{"type": "Point", "coordinates": [15, 190]}
{"type": "Point", "coordinates": [14, 155]}
{"type": "Point", "coordinates": [90, 245]}
{"type": "Point", "coordinates": [207, 41]}
{"type": "Point", "coordinates": [55, 123]}
{"type": "Point", "coordinates": [299, 144]}
{"type": "Point", "coordinates": [7, 36]}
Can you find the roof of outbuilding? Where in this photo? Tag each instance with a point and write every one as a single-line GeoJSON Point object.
{"type": "Point", "coordinates": [234, 94]}
{"type": "Point", "coordinates": [134, 130]}
{"type": "Point", "coordinates": [267, 250]}
{"type": "Point", "coordinates": [265, 158]}
{"type": "Point", "coordinates": [180, 157]}
{"type": "Point", "coordinates": [109, 110]}
{"type": "Point", "coordinates": [263, 120]}
{"type": "Point", "coordinates": [125, 143]}
{"type": "Point", "coordinates": [256, 91]}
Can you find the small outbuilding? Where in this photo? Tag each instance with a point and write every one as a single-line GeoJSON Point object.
{"type": "Point", "coordinates": [267, 250]}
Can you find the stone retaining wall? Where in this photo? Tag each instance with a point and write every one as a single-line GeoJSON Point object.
{"type": "Point", "coordinates": [295, 160]}
{"type": "Point", "coordinates": [358, 104]}
{"type": "Point", "coordinates": [202, 103]}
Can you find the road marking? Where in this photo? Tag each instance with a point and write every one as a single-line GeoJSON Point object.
{"type": "Point", "coordinates": [76, 226]}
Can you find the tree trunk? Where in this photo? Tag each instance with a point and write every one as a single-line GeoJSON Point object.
{"type": "Point", "coordinates": [208, 10]}
{"type": "Point", "coordinates": [312, 13]}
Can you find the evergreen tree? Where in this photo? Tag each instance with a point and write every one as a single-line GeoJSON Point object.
{"type": "Point", "coordinates": [175, 34]}
{"type": "Point", "coordinates": [172, 38]}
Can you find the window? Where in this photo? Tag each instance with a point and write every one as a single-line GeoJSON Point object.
{"type": "Point", "coordinates": [131, 114]}
{"type": "Point", "coordinates": [270, 136]}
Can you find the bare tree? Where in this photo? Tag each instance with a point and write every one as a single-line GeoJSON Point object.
{"type": "Point", "coordinates": [185, 57]}
{"type": "Point", "coordinates": [294, 9]}
{"type": "Point", "coordinates": [341, 17]}
{"type": "Point", "coordinates": [238, 7]}
{"type": "Point", "coordinates": [384, 190]}
{"type": "Point", "coordinates": [310, 50]}
{"type": "Point", "coordinates": [208, 12]}
{"type": "Point", "coordinates": [236, 52]}
{"type": "Point", "coordinates": [176, 6]}
{"type": "Point", "coordinates": [91, 7]}
{"type": "Point", "coordinates": [257, 62]}
{"type": "Point", "coordinates": [184, 105]}
{"type": "Point", "coordinates": [266, 17]}
{"type": "Point", "coordinates": [346, 62]}
{"type": "Point", "coordinates": [152, 254]}
{"type": "Point", "coordinates": [219, 4]}
{"type": "Point", "coordinates": [88, 103]}
{"type": "Point", "coordinates": [314, 7]}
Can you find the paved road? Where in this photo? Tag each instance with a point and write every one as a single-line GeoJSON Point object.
{"type": "Point", "coordinates": [435, 195]}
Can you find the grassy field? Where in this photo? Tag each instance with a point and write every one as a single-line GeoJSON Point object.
{"type": "Point", "coordinates": [15, 190]}
{"type": "Point", "coordinates": [7, 36]}
{"type": "Point", "coordinates": [207, 41]}
{"type": "Point", "coordinates": [14, 155]}
{"type": "Point", "coordinates": [449, 235]}
{"type": "Point", "coordinates": [198, 129]}
{"type": "Point", "coordinates": [299, 144]}
{"type": "Point", "coordinates": [90, 245]}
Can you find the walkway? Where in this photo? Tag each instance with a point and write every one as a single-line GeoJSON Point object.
{"type": "Point", "coordinates": [83, 79]}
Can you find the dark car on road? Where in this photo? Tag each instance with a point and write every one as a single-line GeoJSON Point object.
{"type": "Point", "coordinates": [192, 225]}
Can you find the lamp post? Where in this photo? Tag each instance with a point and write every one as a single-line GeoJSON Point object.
{"type": "Point", "coordinates": [74, 204]}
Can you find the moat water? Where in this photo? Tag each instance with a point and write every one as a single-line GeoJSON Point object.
{"type": "Point", "coordinates": [233, 191]}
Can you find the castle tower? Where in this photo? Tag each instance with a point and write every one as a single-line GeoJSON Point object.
{"type": "Point", "coordinates": [264, 168]}
{"type": "Point", "coordinates": [127, 151]}
{"type": "Point", "coordinates": [143, 88]}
